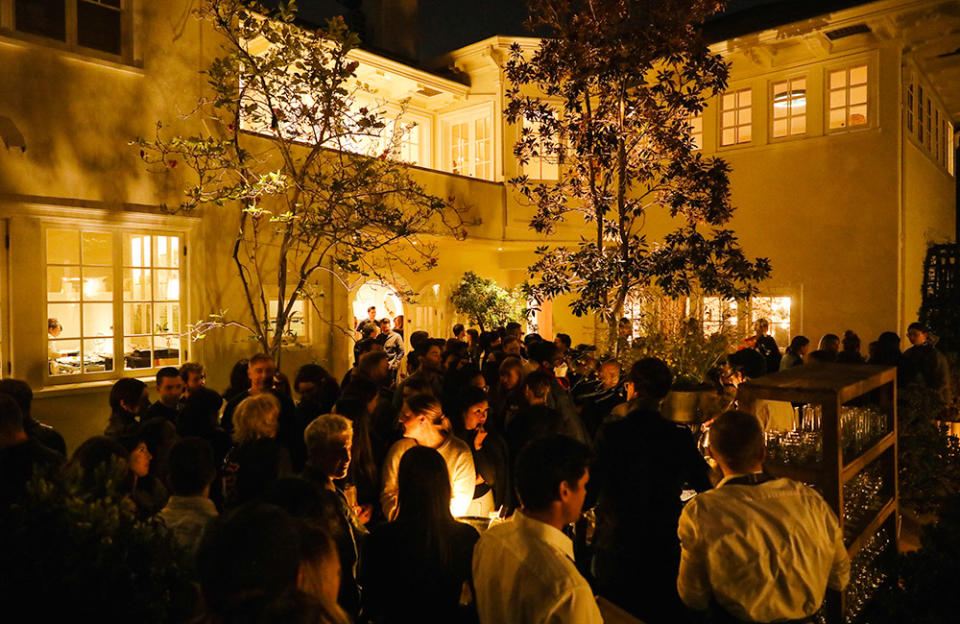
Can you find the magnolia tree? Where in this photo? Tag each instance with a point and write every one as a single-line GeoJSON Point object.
{"type": "Point", "coordinates": [486, 303]}
{"type": "Point", "coordinates": [302, 156]}
{"type": "Point", "coordinates": [609, 95]}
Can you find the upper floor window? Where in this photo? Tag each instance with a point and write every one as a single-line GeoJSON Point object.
{"type": "Point", "coordinates": [696, 130]}
{"type": "Point", "coordinates": [544, 166]}
{"type": "Point", "coordinates": [468, 144]}
{"type": "Point", "coordinates": [848, 97]}
{"type": "Point", "coordinates": [736, 117]}
{"type": "Point", "coordinates": [92, 24]}
{"type": "Point", "coordinates": [296, 330]}
{"type": "Point", "coordinates": [113, 301]}
{"type": "Point", "coordinates": [909, 106]}
{"type": "Point", "coordinates": [789, 104]}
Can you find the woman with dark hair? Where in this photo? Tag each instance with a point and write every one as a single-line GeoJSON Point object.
{"type": "Point", "coordinates": [851, 349]}
{"type": "Point", "coordinates": [417, 568]}
{"type": "Point", "coordinates": [239, 380]}
{"type": "Point", "coordinates": [490, 455]}
{"type": "Point", "coordinates": [367, 454]}
{"type": "Point", "coordinates": [103, 462]}
{"type": "Point", "coordinates": [796, 352]}
{"type": "Point", "coordinates": [128, 400]}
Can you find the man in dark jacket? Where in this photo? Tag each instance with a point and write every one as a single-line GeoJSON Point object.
{"type": "Point", "coordinates": [21, 456]}
{"type": "Point", "coordinates": [643, 464]}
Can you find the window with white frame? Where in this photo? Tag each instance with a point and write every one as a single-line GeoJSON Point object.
{"type": "Point", "coordinates": [413, 137]}
{"type": "Point", "coordinates": [297, 328]}
{"type": "Point", "coordinates": [90, 24]}
{"type": "Point", "coordinates": [776, 310]}
{"type": "Point", "coordinates": [847, 98]}
{"type": "Point", "coordinates": [717, 313]}
{"type": "Point", "coordinates": [921, 129]}
{"type": "Point", "coordinates": [696, 130]}
{"type": "Point", "coordinates": [909, 107]}
{"type": "Point", "coordinates": [468, 144]}
{"type": "Point", "coordinates": [114, 301]}
{"type": "Point", "coordinates": [948, 146]}
{"type": "Point", "coordinates": [544, 166]}
{"type": "Point", "coordinates": [736, 117]}
{"type": "Point", "coordinates": [789, 107]}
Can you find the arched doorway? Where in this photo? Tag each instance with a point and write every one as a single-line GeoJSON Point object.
{"type": "Point", "coordinates": [379, 295]}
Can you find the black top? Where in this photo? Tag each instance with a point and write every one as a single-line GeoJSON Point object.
{"type": "Point", "coordinates": [533, 422]}
{"type": "Point", "coordinates": [492, 462]}
{"type": "Point", "coordinates": [45, 435]}
{"type": "Point", "coordinates": [121, 423]}
{"type": "Point", "coordinates": [20, 462]}
{"type": "Point", "coordinates": [161, 410]}
{"type": "Point", "coordinates": [288, 433]}
{"type": "Point", "coordinates": [402, 584]}
{"type": "Point", "coordinates": [767, 347]}
{"type": "Point", "coordinates": [642, 465]}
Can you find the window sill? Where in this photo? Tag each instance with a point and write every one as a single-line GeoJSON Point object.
{"type": "Point", "coordinates": [83, 387]}
{"type": "Point", "coordinates": [23, 41]}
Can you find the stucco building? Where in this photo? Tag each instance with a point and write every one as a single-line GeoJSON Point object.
{"type": "Point", "coordinates": [838, 126]}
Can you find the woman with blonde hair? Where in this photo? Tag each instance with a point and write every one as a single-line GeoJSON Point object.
{"type": "Point", "coordinates": [256, 459]}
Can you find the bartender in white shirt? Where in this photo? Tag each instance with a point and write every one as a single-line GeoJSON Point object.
{"type": "Point", "coordinates": [755, 548]}
{"type": "Point", "coordinates": [523, 569]}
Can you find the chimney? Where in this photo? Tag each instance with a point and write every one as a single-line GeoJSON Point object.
{"type": "Point", "coordinates": [394, 26]}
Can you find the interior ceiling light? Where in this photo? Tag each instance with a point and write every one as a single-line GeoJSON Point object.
{"type": "Point", "coordinates": [794, 98]}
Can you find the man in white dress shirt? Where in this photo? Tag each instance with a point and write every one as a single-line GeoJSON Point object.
{"type": "Point", "coordinates": [425, 425]}
{"type": "Point", "coordinates": [523, 569]}
{"type": "Point", "coordinates": [755, 548]}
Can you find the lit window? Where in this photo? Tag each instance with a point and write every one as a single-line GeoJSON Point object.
{"type": "Point", "coordinates": [848, 97]}
{"type": "Point", "coordinates": [921, 130]}
{"type": "Point", "coordinates": [717, 314]}
{"type": "Point", "coordinates": [736, 118]}
{"type": "Point", "coordinates": [789, 107]}
{"type": "Point", "coordinates": [696, 130]}
{"type": "Point", "coordinates": [86, 284]}
{"type": "Point", "coordinates": [928, 121]}
{"type": "Point", "coordinates": [469, 145]}
{"type": "Point", "coordinates": [93, 24]}
{"type": "Point", "coordinates": [777, 311]}
{"type": "Point", "coordinates": [543, 166]}
{"type": "Point", "coordinates": [296, 331]}
{"type": "Point", "coordinates": [948, 146]}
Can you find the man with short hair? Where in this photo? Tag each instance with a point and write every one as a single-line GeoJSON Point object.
{"type": "Point", "coordinates": [507, 399]}
{"type": "Point", "coordinates": [392, 346]}
{"type": "Point", "coordinates": [261, 370]}
{"type": "Point", "coordinates": [46, 435]}
{"type": "Point", "coordinates": [928, 361]}
{"type": "Point", "coordinates": [430, 360]}
{"type": "Point", "coordinates": [545, 356]}
{"type": "Point", "coordinates": [608, 393]}
{"type": "Point", "coordinates": [460, 332]}
{"type": "Point", "coordinates": [757, 549]}
{"type": "Point", "coordinates": [367, 322]}
{"type": "Point", "coordinates": [169, 388]}
{"type": "Point", "coordinates": [194, 377]}
{"type": "Point", "coordinates": [21, 456]}
{"type": "Point", "coordinates": [536, 419]}
{"type": "Point", "coordinates": [644, 462]}
{"type": "Point", "coordinates": [329, 442]}
{"type": "Point", "coordinates": [523, 569]}
{"type": "Point", "coordinates": [189, 508]}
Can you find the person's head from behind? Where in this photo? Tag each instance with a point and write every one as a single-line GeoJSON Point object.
{"type": "Point", "coordinates": [54, 328]}
{"type": "Point", "coordinates": [829, 342]}
{"type": "Point", "coordinates": [194, 377]}
{"type": "Point", "coordinates": [851, 342]}
{"type": "Point", "coordinates": [19, 391]}
{"type": "Point", "coordinates": [239, 379]}
{"type": "Point", "coordinates": [552, 474]}
{"type": "Point", "coordinates": [418, 339]}
{"type": "Point", "coordinates": [514, 329]}
{"type": "Point", "coordinates": [423, 486]}
{"type": "Point", "coordinates": [319, 564]}
{"type": "Point", "coordinates": [310, 381]}
{"type": "Point", "coordinates": [96, 462]}
{"type": "Point", "coordinates": [459, 332]}
{"type": "Point", "coordinates": [421, 418]}
{"type": "Point", "coordinates": [256, 417]}
{"type": "Point", "coordinates": [651, 380]}
{"type": "Point", "coordinates": [736, 443]}
{"type": "Point", "coordinates": [247, 558]}
{"type": "Point", "coordinates": [363, 389]}
{"type": "Point", "coordinates": [199, 414]}
{"type": "Point", "coordinates": [375, 365]}
{"type": "Point", "coordinates": [799, 346]}
{"type": "Point", "coordinates": [536, 387]}
{"type": "Point", "coordinates": [917, 333]}
{"type": "Point", "coordinates": [415, 386]}
{"type": "Point", "coordinates": [329, 440]}
{"type": "Point", "coordinates": [370, 331]}
{"type": "Point", "coordinates": [169, 386]}
{"type": "Point", "coordinates": [545, 354]}
{"type": "Point", "coordinates": [11, 422]}
{"type": "Point", "coordinates": [610, 374]}
{"type": "Point", "coordinates": [192, 467]}
{"type": "Point", "coordinates": [129, 395]}
{"type": "Point", "coordinates": [762, 326]}
{"type": "Point", "coordinates": [511, 373]}
{"type": "Point", "coordinates": [260, 371]}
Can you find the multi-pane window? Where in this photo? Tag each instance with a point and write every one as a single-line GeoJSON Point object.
{"type": "Point", "coordinates": [296, 331]}
{"type": "Point", "coordinates": [789, 105]}
{"type": "Point", "coordinates": [545, 165]}
{"type": "Point", "coordinates": [909, 108]}
{"type": "Point", "coordinates": [696, 130]}
{"type": "Point", "coordinates": [847, 99]}
{"type": "Point", "coordinates": [736, 117]}
{"type": "Point", "coordinates": [110, 311]}
{"type": "Point", "coordinates": [80, 295]}
{"type": "Point", "coordinates": [921, 128]}
{"type": "Point", "coordinates": [948, 146]}
{"type": "Point", "coordinates": [777, 312]}
{"type": "Point", "coordinates": [93, 24]}
{"type": "Point", "coordinates": [151, 301]}
{"type": "Point", "coordinates": [717, 314]}
{"type": "Point", "coordinates": [469, 145]}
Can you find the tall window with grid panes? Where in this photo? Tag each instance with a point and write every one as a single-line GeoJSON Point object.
{"type": "Point", "coordinates": [847, 99]}
{"type": "Point", "coordinates": [468, 143]}
{"type": "Point", "coordinates": [83, 24]}
{"type": "Point", "coordinates": [736, 117]}
{"type": "Point", "coordinates": [788, 105]}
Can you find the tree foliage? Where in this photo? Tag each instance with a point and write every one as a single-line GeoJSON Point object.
{"type": "Point", "coordinates": [306, 156]}
{"type": "Point", "coordinates": [488, 304]}
{"type": "Point", "coordinates": [609, 95]}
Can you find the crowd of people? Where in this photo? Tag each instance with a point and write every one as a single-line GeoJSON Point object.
{"type": "Point", "coordinates": [357, 502]}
